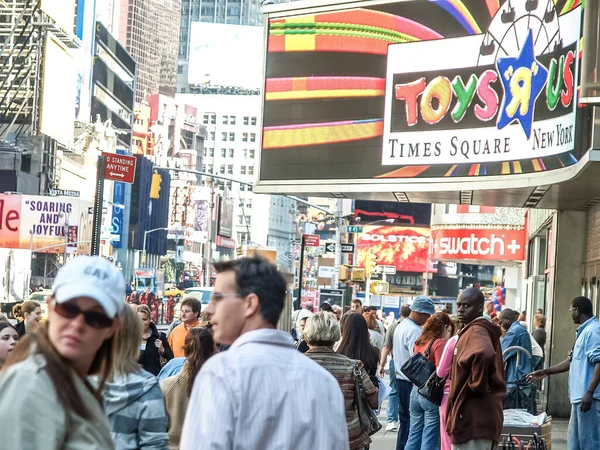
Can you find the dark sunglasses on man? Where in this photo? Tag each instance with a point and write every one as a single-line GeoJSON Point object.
{"type": "Point", "coordinates": [94, 319]}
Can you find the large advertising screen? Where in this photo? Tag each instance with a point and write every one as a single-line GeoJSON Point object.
{"type": "Point", "coordinates": [59, 91]}
{"type": "Point", "coordinates": [226, 55]}
{"type": "Point", "coordinates": [420, 89]}
{"type": "Point", "coordinates": [405, 248]}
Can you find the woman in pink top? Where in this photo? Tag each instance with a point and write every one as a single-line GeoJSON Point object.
{"type": "Point", "coordinates": [443, 371]}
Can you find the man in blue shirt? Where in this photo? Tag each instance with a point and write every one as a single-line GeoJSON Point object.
{"type": "Point", "coordinates": [407, 332]}
{"type": "Point", "coordinates": [516, 336]}
{"type": "Point", "coordinates": [583, 365]}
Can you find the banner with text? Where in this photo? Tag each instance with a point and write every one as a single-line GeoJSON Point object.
{"type": "Point", "coordinates": [38, 222]}
{"type": "Point", "coordinates": [473, 244]}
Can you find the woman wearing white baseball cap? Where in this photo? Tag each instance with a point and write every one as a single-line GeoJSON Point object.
{"type": "Point", "coordinates": [46, 401]}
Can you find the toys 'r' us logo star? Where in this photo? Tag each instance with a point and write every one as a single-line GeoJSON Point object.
{"type": "Point", "coordinates": [523, 79]}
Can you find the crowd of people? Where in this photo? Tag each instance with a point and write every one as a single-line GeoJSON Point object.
{"type": "Point", "coordinates": [99, 374]}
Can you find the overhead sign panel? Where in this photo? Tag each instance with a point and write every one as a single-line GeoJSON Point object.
{"type": "Point", "coordinates": [386, 91]}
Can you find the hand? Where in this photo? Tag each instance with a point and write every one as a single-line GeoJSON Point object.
{"type": "Point", "coordinates": [586, 402]}
{"type": "Point", "coordinates": [536, 376]}
{"type": "Point", "coordinates": [382, 370]}
{"type": "Point", "coordinates": [159, 345]}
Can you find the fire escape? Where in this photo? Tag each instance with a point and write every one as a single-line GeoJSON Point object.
{"type": "Point", "coordinates": [23, 31]}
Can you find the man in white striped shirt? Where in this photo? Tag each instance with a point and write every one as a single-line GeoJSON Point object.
{"type": "Point", "coordinates": [261, 394]}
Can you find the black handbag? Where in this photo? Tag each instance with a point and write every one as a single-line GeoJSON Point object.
{"type": "Point", "coordinates": [433, 390]}
{"type": "Point", "coordinates": [418, 368]}
{"type": "Point", "coordinates": [366, 416]}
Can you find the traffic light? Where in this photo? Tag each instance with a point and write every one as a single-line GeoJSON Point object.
{"type": "Point", "coordinates": [155, 187]}
{"type": "Point", "coordinates": [370, 264]}
{"type": "Point", "coordinates": [239, 251]}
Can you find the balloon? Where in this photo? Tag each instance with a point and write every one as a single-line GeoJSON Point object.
{"type": "Point", "coordinates": [503, 292]}
{"type": "Point", "coordinates": [498, 290]}
{"type": "Point", "coordinates": [498, 308]}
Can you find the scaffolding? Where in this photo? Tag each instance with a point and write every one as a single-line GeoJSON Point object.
{"type": "Point", "coordinates": [23, 30]}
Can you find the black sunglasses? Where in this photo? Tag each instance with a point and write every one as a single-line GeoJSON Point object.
{"type": "Point", "coordinates": [94, 319]}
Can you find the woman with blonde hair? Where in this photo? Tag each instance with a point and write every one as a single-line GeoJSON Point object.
{"type": "Point", "coordinates": [47, 402]}
{"type": "Point", "coordinates": [132, 397]}
{"type": "Point", "coordinates": [321, 332]}
{"type": "Point", "coordinates": [29, 314]}
{"type": "Point", "coordinates": [155, 349]}
{"type": "Point", "coordinates": [199, 346]}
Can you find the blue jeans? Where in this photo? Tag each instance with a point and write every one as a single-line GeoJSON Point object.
{"type": "Point", "coordinates": [404, 390]}
{"type": "Point", "coordinates": [392, 409]}
{"type": "Point", "coordinates": [584, 428]}
{"type": "Point", "coordinates": [424, 424]}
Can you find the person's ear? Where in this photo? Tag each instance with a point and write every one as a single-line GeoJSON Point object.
{"type": "Point", "coordinates": [252, 305]}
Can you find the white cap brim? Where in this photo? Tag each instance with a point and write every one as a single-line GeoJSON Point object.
{"type": "Point", "coordinates": [70, 291]}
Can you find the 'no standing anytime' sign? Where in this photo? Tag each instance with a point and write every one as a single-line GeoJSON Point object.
{"type": "Point", "coordinates": [119, 167]}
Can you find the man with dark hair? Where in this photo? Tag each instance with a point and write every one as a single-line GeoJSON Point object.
{"type": "Point", "coordinates": [373, 312]}
{"type": "Point", "coordinates": [326, 307]}
{"type": "Point", "coordinates": [583, 365]}
{"type": "Point", "coordinates": [190, 318]}
{"type": "Point", "coordinates": [356, 306]}
{"type": "Point", "coordinates": [477, 387]}
{"type": "Point", "coordinates": [388, 346]}
{"type": "Point", "coordinates": [516, 335]}
{"type": "Point", "coordinates": [246, 398]}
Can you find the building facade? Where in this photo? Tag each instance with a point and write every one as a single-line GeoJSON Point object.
{"type": "Point", "coordinates": [149, 30]}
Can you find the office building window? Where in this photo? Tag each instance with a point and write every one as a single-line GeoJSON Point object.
{"type": "Point", "coordinates": [253, 122]}
{"type": "Point", "coordinates": [240, 220]}
{"type": "Point", "coordinates": [223, 136]}
{"type": "Point", "coordinates": [231, 137]}
{"type": "Point", "coordinates": [211, 152]}
{"type": "Point", "coordinates": [222, 169]}
{"type": "Point", "coordinates": [246, 120]}
{"type": "Point", "coordinates": [213, 119]}
{"type": "Point", "coordinates": [223, 152]}
{"type": "Point", "coordinates": [244, 153]}
{"type": "Point", "coordinates": [231, 153]}
{"type": "Point", "coordinates": [251, 170]}
{"type": "Point", "coordinates": [245, 137]}
{"type": "Point", "coordinates": [230, 169]}
{"type": "Point", "coordinates": [231, 120]}
{"type": "Point", "coordinates": [205, 119]}
{"type": "Point", "coordinates": [251, 154]}
{"type": "Point", "coordinates": [243, 170]}
{"type": "Point", "coordinates": [212, 135]}
{"type": "Point", "coordinates": [252, 137]}
{"type": "Point", "coordinates": [225, 120]}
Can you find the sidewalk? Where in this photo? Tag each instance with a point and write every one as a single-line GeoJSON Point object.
{"type": "Point", "coordinates": [387, 440]}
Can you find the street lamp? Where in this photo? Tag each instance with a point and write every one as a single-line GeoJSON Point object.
{"type": "Point", "coordinates": [146, 233]}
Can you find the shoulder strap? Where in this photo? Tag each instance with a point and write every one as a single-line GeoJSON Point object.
{"type": "Point", "coordinates": [428, 351]}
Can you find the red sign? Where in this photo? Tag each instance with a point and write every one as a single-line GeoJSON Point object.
{"type": "Point", "coordinates": [312, 240]}
{"type": "Point", "coordinates": [119, 167]}
{"type": "Point", "coordinates": [225, 242]}
{"type": "Point", "coordinates": [498, 245]}
{"type": "Point", "coordinates": [405, 248]}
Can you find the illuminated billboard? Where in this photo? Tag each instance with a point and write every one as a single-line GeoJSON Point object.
{"type": "Point", "coordinates": [405, 248]}
{"type": "Point", "coordinates": [59, 92]}
{"type": "Point", "coordinates": [226, 55]}
{"type": "Point", "coordinates": [414, 90]}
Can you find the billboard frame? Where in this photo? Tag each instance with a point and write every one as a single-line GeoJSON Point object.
{"type": "Point", "coordinates": [524, 184]}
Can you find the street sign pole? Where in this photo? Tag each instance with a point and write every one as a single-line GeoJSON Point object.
{"type": "Point", "coordinates": [300, 270]}
{"type": "Point", "coordinates": [97, 221]}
